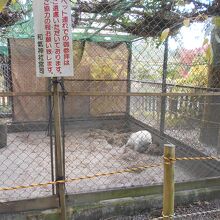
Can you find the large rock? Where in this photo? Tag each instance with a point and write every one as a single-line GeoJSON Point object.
{"type": "Point", "coordinates": [140, 141]}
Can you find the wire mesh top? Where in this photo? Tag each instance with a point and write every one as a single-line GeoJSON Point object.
{"type": "Point", "coordinates": [128, 19]}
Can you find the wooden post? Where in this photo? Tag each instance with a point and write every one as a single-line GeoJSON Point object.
{"type": "Point", "coordinates": [168, 186]}
{"type": "Point", "coordinates": [58, 150]}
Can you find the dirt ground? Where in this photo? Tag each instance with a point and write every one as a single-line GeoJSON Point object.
{"type": "Point", "coordinates": [96, 151]}
{"type": "Point", "coordinates": [26, 160]}
{"type": "Point", "coordinates": [200, 206]}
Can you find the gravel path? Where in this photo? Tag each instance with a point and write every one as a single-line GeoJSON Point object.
{"type": "Point", "coordinates": [181, 210]}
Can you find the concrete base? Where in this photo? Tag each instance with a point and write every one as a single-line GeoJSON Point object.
{"type": "Point", "coordinates": [115, 207]}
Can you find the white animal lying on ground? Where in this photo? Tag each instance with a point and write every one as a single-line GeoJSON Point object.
{"type": "Point", "coordinates": [139, 141]}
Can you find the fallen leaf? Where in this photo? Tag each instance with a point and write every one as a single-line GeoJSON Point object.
{"type": "Point", "coordinates": [164, 34]}
{"type": "Point", "coordinates": [186, 22]}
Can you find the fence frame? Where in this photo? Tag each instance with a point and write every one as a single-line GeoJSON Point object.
{"type": "Point", "coordinates": [54, 201]}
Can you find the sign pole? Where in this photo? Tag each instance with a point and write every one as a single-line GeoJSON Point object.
{"type": "Point", "coordinates": [59, 151]}
{"type": "Point", "coordinates": [54, 59]}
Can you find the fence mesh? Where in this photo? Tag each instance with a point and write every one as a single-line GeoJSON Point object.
{"type": "Point", "coordinates": [120, 47]}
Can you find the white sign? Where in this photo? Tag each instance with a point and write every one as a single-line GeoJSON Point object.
{"type": "Point", "coordinates": [53, 38]}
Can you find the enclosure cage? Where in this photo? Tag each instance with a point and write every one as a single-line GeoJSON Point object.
{"type": "Point", "coordinates": [125, 80]}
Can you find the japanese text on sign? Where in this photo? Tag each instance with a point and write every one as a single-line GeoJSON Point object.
{"type": "Point", "coordinates": [53, 38]}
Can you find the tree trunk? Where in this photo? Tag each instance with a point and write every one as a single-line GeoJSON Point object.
{"type": "Point", "coordinates": [209, 134]}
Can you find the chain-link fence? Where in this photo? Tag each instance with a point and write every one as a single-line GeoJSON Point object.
{"type": "Point", "coordinates": [142, 69]}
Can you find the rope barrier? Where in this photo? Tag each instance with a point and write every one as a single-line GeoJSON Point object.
{"type": "Point", "coordinates": [197, 158]}
{"type": "Point", "coordinates": [133, 169]}
{"type": "Point", "coordinates": [129, 170]}
{"type": "Point", "coordinates": [171, 160]}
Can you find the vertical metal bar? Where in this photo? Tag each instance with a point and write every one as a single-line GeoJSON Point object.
{"type": "Point", "coordinates": [168, 186]}
{"type": "Point", "coordinates": [10, 84]}
{"type": "Point", "coordinates": [63, 130]}
{"type": "Point", "coordinates": [164, 90]}
{"type": "Point", "coordinates": [50, 117]}
{"type": "Point", "coordinates": [59, 149]}
{"type": "Point", "coordinates": [128, 104]}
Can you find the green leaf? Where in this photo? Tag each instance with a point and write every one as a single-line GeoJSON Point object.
{"type": "Point", "coordinates": [2, 4]}
{"type": "Point", "coordinates": [216, 21]}
{"type": "Point", "coordinates": [164, 34]}
{"type": "Point", "coordinates": [206, 41]}
{"type": "Point", "coordinates": [209, 54]}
